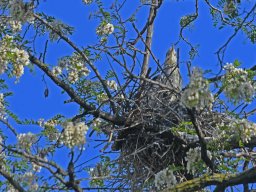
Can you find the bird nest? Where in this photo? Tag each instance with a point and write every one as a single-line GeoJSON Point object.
{"type": "Point", "coordinates": [152, 141]}
{"type": "Point", "coordinates": [149, 144]}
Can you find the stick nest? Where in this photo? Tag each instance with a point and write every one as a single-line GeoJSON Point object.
{"type": "Point", "coordinates": [152, 141]}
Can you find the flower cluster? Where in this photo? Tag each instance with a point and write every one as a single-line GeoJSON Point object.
{"type": "Point", "coordinates": [112, 84]}
{"type": "Point", "coordinates": [194, 156]}
{"type": "Point", "coordinates": [75, 67]}
{"type": "Point", "coordinates": [197, 94]}
{"type": "Point", "coordinates": [36, 168]}
{"type": "Point", "coordinates": [87, 1]}
{"type": "Point", "coordinates": [57, 70]}
{"type": "Point", "coordinates": [10, 188]}
{"type": "Point", "coordinates": [10, 53]}
{"type": "Point", "coordinates": [74, 134]}
{"type": "Point", "coordinates": [165, 178]}
{"type": "Point", "coordinates": [21, 11]}
{"type": "Point", "coordinates": [2, 107]}
{"type": "Point", "coordinates": [29, 179]}
{"type": "Point", "coordinates": [14, 25]}
{"type": "Point", "coordinates": [2, 152]}
{"type": "Point", "coordinates": [26, 140]}
{"type": "Point", "coordinates": [49, 129]}
{"type": "Point", "coordinates": [238, 85]}
{"type": "Point", "coordinates": [94, 172]}
{"type": "Point", "coordinates": [105, 29]}
{"type": "Point", "coordinates": [238, 128]}
{"type": "Point", "coordinates": [99, 170]}
{"type": "Point", "coordinates": [102, 97]}
{"type": "Point", "coordinates": [46, 124]}
{"type": "Point", "coordinates": [49, 123]}
{"type": "Point", "coordinates": [96, 123]}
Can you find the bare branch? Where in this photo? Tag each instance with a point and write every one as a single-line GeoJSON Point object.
{"type": "Point", "coordinates": [91, 109]}
{"type": "Point", "coordinates": [87, 60]}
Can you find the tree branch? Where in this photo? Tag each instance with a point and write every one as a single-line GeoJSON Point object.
{"type": "Point", "coordinates": [223, 180]}
{"type": "Point", "coordinates": [83, 55]}
{"type": "Point", "coordinates": [222, 49]}
{"type": "Point", "coordinates": [202, 141]}
{"type": "Point", "coordinates": [150, 21]}
{"type": "Point", "coordinates": [10, 179]}
{"type": "Point", "coordinates": [148, 44]}
{"type": "Point", "coordinates": [117, 120]}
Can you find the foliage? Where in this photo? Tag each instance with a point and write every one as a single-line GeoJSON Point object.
{"type": "Point", "coordinates": [149, 133]}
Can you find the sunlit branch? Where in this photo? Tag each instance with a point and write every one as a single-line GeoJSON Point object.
{"type": "Point", "coordinates": [10, 178]}
{"type": "Point", "coordinates": [91, 109]}
{"type": "Point", "coordinates": [87, 60]}
{"type": "Point", "coordinates": [223, 180]}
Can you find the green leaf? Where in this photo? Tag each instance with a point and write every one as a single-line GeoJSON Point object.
{"type": "Point", "coordinates": [237, 63]}
{"type": "Point", "coordinates": [241, 144]}
{"type": "Point", "coordinates": [110, 74]}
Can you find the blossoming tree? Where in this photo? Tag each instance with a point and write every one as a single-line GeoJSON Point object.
{"type": "Point", "coordinates": [154, 133]}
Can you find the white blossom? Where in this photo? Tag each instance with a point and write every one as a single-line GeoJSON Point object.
{"type": "Point", "coordinates": [194, 156]}
{"type": "Point", "coordinates": [34, 187]}
{"type": "Point", "coordinates": [15, 25]}
{"type": "Point", "coordinates": [40, 122]}
{"type": "Point", "coordinates": [102, 97]}
{"type": "Point", "coordinates": [93, 172]}
{"type": "Point", "coordinates": [36, 168]}
{"type": "Point", "coordinates": [57, 70]}
{"type": "Point", "coordinates": [74, 66]}
{"type": "Point", "coordinates": [74, 134]}
{"type": "Point", "coordinates": [12, 189]}
{"type": "Point", "coordinates": [237, 84]}
{"type": "Point", "coordinates": [21, 11]}
{"type": "Point", "coordinates": [85, 71]}
{"type": "Point", "coordinates": [26, 140]}
{"type": "Point", "coordinates": [73, 76]}
{"type": "Point", "coordinates": [18, 70]}
{"type": "Point", "coordinates": [2, 107]}
{"type": "Point", "coordinates": [197, 94]}
{"type": "Point", "coordinates": [100, 170]}
{"type": "Point", "coordinates": [3, 66]}
{"type": "Point", "coordinates": [165, 178]}
{"type": "Point", "coordinates": [238, 128]}
{"type": "Point", "coordinates": [112, 84]}
{"type": "Point", "coordinates": [87, 1]}
{"type": "Point", "coordinates": [22, 56]}
{"type": "Point", "coordinates": [96, 122]}
{"type": "Point", "coordinates": [51, 132]}
{"type": "Point", "coordinates": [105, 29]}
{"type": "Point", "coordinates": [28, 178]}
{"type": "Point", "coordinates": [10, 53]}
{"type": "Point", "coordinates": [50, 123]}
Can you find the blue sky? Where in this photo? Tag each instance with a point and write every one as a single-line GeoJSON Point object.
{"type": "Point", "coordinates": [165, 34]}
{"type": "Point", "coordinates": [29, 91]}
{"type": "Point", "coordinates": [29, 101]}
